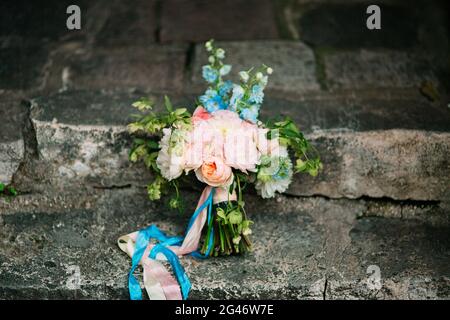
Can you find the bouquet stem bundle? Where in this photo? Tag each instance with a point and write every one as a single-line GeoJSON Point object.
{"type": "Point", "coordinates": [228, 238]}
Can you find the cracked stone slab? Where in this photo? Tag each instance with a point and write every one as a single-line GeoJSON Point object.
{"type": "Point", "coordinates": [293, 63]}
{"type": "Point", "coordinates": [373, 147]}
{"type": "Point", "coordinates": [370, 147]}
{"type": "Point", "coordinates": [390, 259]}
{"type": "Point", "coordinates": [41, 253]}
{"type": "Point", "coordinates": [147, 67]}
{"type": "Point", "coordinates": [399, 164]}
{"type": "Point", "coordinates": [81, 135]}
{"type": "Point", "coordinates": [12, 115]}
{"type": "Point", "coordinates": [305, 249]}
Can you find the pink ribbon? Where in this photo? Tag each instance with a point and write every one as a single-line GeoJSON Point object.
{"type": "Point", "coordinates": [158, 281]}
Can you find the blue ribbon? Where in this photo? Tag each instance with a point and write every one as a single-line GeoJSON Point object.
{"type": "Point", "coordinates": [143, 238]}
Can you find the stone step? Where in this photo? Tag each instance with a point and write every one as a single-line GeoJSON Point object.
{"type": "Point", "coordinates": [176, 68]}
{"type": "Point", "coordinates": [394, 148]}
{"type": "Point", "coordinates": [309, 248]}
{"type": "Point", "coordinates": [300, 68]}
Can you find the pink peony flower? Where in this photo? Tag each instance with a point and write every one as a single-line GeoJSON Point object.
{"type": "Point", "coordinates": [200, 114]}
{"type": "Point", "coordinates": [267, 147]}
{"type": "Point", "coordinates": [224, 136]}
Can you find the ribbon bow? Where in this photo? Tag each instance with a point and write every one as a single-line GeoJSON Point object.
{"type": "Point", "coordinates": [158, 282]}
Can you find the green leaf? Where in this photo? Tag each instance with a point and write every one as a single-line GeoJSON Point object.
{"type": "Point", "coordinates": [143, 104]}
{"type": "Point", "coordinates": [235, 217]}
{"type": "Point", "coordinates": [12, 191]}
{"type": "Point", "coordinates": [2, 187]}
{"type": "Point", "coordinates": [222, 216]}
{"type": "Point", "coordinates": [180, 111]}
{"type": "Point", "coordinates": [135, 126]}
{"type": "Point", "coordinates": [152, 144]}
{"type": "Point", "coordinates": [139, 141]}
{"type": "Point", "coordinates": [289, 133]}
{"type": "Point", "coordinates": [168, 104]}
{"type": "Point", "coordinates": [300, 165]}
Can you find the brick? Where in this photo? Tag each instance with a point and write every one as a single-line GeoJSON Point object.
{"type": "Point", "coordinates": [377, 69]}
{"type": "Point", "coordinates": [127, 23]}
{"type": "Point", "coordinates": [147, 67]}
{"type": "Point", "coordinates": [344, 26]}
{"type": "Point", "coordinates": [186, 20]}
{"type": "Point", "coordinates": [293, 63]}
{"type": "Point", "coordinates": [22, 68]}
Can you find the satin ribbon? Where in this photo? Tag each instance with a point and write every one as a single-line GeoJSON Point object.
{"type": "Point", "coordinates": [158, 282]}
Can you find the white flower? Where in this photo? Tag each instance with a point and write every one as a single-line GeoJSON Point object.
{"type": "Point", "coordinates": [208, 46]}
{"type": "Point", "coordinates": [269, 70]}
{"type": "Point", "coordinates": [259, 76]}
{"type": "Point", "coordinates": [263, 81]}
{"type": "Point", "coordinates": [220, 53]}
{"type": "Point", "coordinates": [170, 160]}
{"type": "Point", "coordinates": [226, 68]}
{"type": "Point", "coordinates": [244, 76]}
{"type": "Point", "coordinates": [211, 59]}
{"type": "Point", "coordinates": [275, 174]}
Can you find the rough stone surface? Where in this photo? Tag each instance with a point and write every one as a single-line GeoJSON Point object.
{"type": "Point", "coordinates": [399, 164]}
{"type": "Point", "coordinates": [411, 258]}
{"type": "Point", "coordinates": [370, 147]}
{"type": "Point", "coordinates": [12, 115]}
{"type": "Point", "coordinates": [377, 69]}
{"type": "Point", "coordinates": [293, 63]}
{"type": "Point", "coordinates": [81, 135]}
{"type": "Point", "coordinates": [85, 137]}
{"type": "Point", "coordinates": [309, 249]}
{"type": "Point", "coordinates": [128, 23]}
{"type": "Point", "coordinates": [344, 26]}
{"type": "Point", "coordinates": [146, 67]}
{"type": "Point", "coordinates": [360, 113]}
{"type": "Point", "coordinates": [46, 21]}
{"type": "Point", "coordinates": [185, 20]}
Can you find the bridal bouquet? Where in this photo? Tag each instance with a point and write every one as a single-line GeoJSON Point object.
{"type": "Point", "coordinates": [227, 148]}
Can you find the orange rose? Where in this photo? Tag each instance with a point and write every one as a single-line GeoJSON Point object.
{"type": "Point", "coordinates": [215, 173]}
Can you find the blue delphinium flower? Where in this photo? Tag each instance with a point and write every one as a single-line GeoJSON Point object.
{"type": "Point", "coordinates": [250, 113]}
{"type": "Point", "coordinates": [208, 95]}
{"type": "Point", "coordinates": [284, 169]}
{"type": "Point", "coordinates": [212, 101]}
{"type": "Point", "coordinates": [225, 88]}
{"type": "Point", "coordinates": [209, 74]}
{"type": "Point", "coordinates": [238, 94]}
{"type": "Point", "coordinates": [257, 94]}
{"type": "Point", "coordinates": [215, 103]}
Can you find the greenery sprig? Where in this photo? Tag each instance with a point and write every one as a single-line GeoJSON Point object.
{"type": "Point", "coordinates": [147, 129]}
{"type": "Point", "coordinates": [307, 157]}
